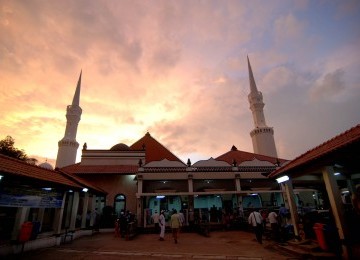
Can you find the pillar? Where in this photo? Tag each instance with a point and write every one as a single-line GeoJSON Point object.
{"type": "Point", "coordinates": [74, 210]}
{"type": "Point", "coordinates": [92, 209]}
{"type": "Point", "coordinates": [70, 199]}
{"type": "Point", "coordinates": [22, 215]}
{"type": "Point", "coordinates": [190, 183]}
{"type": "Point", "coordinates": [59, 212]}
{"type": "Point", "coordinates": [85, 209]}
{"type": "Point", "coordinates": [292, 207]}
{"type": "Point", "coordinates": [336, 205]}
{"type": "Point", "coordinates": [41, 217]}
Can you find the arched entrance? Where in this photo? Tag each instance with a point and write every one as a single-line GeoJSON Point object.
{"type": "Point", "coordinates": [119, 203]}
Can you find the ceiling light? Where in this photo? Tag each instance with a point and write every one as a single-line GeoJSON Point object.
{"type": "Point", "coordinates": [282, 179]}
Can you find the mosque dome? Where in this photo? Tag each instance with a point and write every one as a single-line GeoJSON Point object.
{"type": "Point", "coordinates": [46, 165]}
{"type": "Point", "coordinates": [120, 147]}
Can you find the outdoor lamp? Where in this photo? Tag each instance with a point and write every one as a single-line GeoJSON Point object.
{"type": "Point", "coordinates": [85, 189]}
{"type": "Point", "coordinates": [282, 179]}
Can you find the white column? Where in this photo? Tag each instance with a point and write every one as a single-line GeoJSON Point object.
{"type": "Point", "coordinates": [70, 200]}
{"type": "Point", "coordinates": [92, 208]}
{"type": "Point", "coordinates": [41, 217]}
{"type": "Point", "coordinates": [74, 210]}
{"type": "Point", "coordinates": [336, 204]}
{"type": "Point", "coordinates": [190, 183]}
{"type": "Point", "coordinates": [292, 206]}
{"type": "Point", "coordinates": [85, 209]}
{"type": "Point", "coordinates": [59, 216]}
{"type": "Point", "coordinates": [237, 182]}
{"type": "Point", "coordinates": [22, 214]}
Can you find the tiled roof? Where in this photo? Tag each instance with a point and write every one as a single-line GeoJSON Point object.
{"type": "Point", "coordinates": [100, 169]}
{"type": "Point", "coordinates": [20, 168]}
{"type": "Point", "coordinates": [83, 182]}
{"type": "Point", "coordinates": [241, 156]}
{"type": "Point", "coordinates": [347, 138]}
{"type": "Point", "coordinates": [155, 151]}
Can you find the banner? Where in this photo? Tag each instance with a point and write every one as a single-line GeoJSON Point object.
{"type": "Point", "coordinates": [31, 197]}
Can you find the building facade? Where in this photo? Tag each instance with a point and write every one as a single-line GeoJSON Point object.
{"type": "Point", "coordinates": [146, 176]}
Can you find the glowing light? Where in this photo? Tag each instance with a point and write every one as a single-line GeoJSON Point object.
{"type": "Point", "coordinates": [282, 179]}
{"type": "Point", "coordinates": [85, 189]}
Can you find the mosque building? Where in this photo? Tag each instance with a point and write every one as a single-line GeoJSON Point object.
{"type": "Point", "coordinates": [145, 176]}
{"type": "Point", "coordinates": [77, 199]}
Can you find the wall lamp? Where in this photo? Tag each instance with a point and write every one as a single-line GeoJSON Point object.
{"type": "Point", "coordinates": [1, 177]}
{"type": "Point", "coordinates": [85, 189]}
{"type": "Point", "coordinates": [282, 179]}
{"type": "Point", "coordinates": [160, 196]}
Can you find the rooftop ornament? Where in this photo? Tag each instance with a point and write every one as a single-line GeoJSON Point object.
{"type": "Point", "coordinates": [188, 162]}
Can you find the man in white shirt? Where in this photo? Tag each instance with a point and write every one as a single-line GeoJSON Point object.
{"type": "Point", "coordinates": [255, 220]}
{"type": "Point", "coordinates": [155, 219]}
{"type": "Point", "coordinates": [162, 224]}
{"type": "Point", "coordinates": [273, 220]}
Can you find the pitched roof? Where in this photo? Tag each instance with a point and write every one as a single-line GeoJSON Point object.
{"type": "Point", "coordinates": [83, 182]}
{"type": "Point", "coordinates": [20, 168]}
{"type": "Point", "coordinates": [241, 156]}
{"type": "Point", "coordinates": [336, 144]}
{"type": "Point", "coordinates": [100, 169]}
{"type": "Point", "coordinates": [155, 151]}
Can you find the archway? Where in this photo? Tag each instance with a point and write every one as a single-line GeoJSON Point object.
{"type": "Point", "coordinates": [119, 203]}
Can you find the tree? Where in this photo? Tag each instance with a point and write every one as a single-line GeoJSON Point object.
{"type": "Point", "coordinates": [7, 148]}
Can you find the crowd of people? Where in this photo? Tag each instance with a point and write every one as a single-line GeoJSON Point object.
{"type": "Point", "coordinates": [122, 223]}
{"type": "Point", "coordinates": [257, 219]}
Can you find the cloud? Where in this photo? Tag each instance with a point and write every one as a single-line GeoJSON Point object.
{"type": "Point", "coordinates": [278, 78]}
{"type": "Point", "coordinates": [331, 86]}
{"type": "Point", "coordinates": [288, 29]}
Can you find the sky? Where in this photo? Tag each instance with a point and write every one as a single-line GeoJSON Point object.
{"type": "Point", "coordinates": [178, 69]}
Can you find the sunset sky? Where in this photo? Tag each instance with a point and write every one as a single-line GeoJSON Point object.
{"type": "Point", "coordinates": [178, 70]}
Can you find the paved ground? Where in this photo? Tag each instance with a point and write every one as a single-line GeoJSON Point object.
{"type": "Point", "coordinates": [220, 245]}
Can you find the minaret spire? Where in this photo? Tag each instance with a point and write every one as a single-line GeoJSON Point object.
{"type": "Point", "coordinates": [262, 136]}
{"type": "Point", "coordinates": [253, 87]}
{"type": "Point", "coordinates": [76, 99]}
{"type": "Point", "coordinates": [68, 145]}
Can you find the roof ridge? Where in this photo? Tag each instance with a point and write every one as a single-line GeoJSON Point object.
{"type": "Point", "coordinates": [332, 140]}
{"type": "Point", "coordinates": [25, 162]}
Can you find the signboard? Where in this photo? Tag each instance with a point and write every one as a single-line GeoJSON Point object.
{"type": "Point", "coordinates": [29, 197]}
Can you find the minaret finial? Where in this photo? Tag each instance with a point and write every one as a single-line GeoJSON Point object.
{"type": "Point", "coordinates": [253, 87]}
{"type": "Point", "coordinates": [76, 99]}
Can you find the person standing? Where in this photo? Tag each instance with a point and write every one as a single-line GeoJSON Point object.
{"type": "Point", "coordinates": [162, 224]}
{"type": "Point", "coordinates": [255, 220]}
{"type": "Point", "coordinates": [283, 213]}
{"type": "Point", "coordinates": [155, 219]}
{"type": "Point", "coordinates": [273, 220]}
{"type": "Point", "coordinates": [175, 224]}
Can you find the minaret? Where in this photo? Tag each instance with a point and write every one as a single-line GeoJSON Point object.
{"type": "Point", "coordinates": [262, 136]}
{"type": "Point", "coordinates": [68, 145]}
